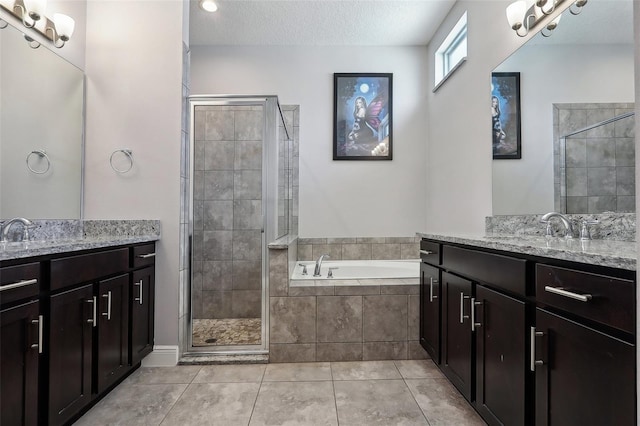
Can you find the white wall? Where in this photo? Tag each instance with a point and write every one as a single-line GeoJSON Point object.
{"type": "Point", "coordinates": [459, 155]}
{"type": "Point", "coordinates": [582, 74]}
{"type": "Point", "coordinates": [337, 198]}
{"type": "Point", "coordinates": [134, 92]}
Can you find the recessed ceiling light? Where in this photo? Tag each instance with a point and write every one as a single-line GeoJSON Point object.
{"type": "Point", "coordinates": [208, 5]}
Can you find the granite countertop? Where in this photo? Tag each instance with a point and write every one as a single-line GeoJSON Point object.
{"type": "Point", "coordinates": [610, 253]}
{"type": "Point", "coordinates": [24, 249]}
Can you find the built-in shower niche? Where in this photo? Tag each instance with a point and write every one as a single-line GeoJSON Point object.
{"type": "Point", "coordinates": [594, 158]}
{"type": "Point", "coordinates": [241, 198]}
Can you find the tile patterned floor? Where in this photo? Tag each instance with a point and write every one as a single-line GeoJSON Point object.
{"type": "Point", "coordinates": [323, 393]}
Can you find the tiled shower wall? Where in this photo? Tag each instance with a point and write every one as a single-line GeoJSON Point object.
{"type": "Point", "coordinates": [291, 114]}
{"type": "Point", "coordinates": [599, 172]}
{"type": "Point", "coordinates": [227, 238]}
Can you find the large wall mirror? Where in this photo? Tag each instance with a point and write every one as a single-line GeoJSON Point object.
{"type": "Point", "coordinates": [41, 131]}
{"type": "Point", "coordinates": [578, 77]}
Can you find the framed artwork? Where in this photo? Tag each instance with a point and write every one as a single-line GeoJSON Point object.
{"type": "Point", "coordinates": [505, 115]}
{"type": "Point", "coordinates": [362, 116]}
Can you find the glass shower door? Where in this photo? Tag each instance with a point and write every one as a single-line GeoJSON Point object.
{"type": "Point", "coordinates": [228, 222]}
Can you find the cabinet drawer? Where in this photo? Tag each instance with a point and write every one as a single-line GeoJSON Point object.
{"type": "Point", "coordinates": [430, 252]}
{"type": "Point", "coordinates": [599, 298]}
{"type": "Point", "coordinates": [19, 282]}
{"type": "Point", "coordinates": [143, 255]}
{"type": "Point", "coordinates": [87, 267]}
{"type": "Point", "coordinates": [495, 270]}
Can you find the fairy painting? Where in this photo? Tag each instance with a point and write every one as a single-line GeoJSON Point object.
{"type": "Point", "coordinates": [362, 117]}
{"type": "Point", "coordinates": [505, 115]}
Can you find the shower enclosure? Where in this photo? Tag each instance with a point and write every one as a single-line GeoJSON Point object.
{"type": "Point", "coordinates": [595, 171]}
{"type": "Point", "coordinates": [238, 193]}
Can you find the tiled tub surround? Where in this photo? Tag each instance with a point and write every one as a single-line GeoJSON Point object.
{"type": "Point", "coordinates": [610, 253]}
{"type": "Point", "coordinates": [598, 173]}
{"type": "Point", "coordinates": [60, 236]}
{"type": "Point", "coordinates": [611, 226]}
{"type": "Point", "coordinates": [345, 320]}
{"type": "Point", "coordinates": [371, 248]}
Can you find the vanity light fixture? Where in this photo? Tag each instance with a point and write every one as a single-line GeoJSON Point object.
{"type": "Point", "coordinates": [523, 17]}
{"type": "Point", "coordinates": [208, 5]}
{"type": "Point", "coordinates": [31, 12]}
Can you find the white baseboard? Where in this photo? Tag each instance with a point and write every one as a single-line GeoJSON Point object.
{"type": "Point", "coordinates": [162, 356]}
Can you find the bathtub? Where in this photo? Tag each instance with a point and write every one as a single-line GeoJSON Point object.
{"type": "Point", "coordinates": [358, 272]}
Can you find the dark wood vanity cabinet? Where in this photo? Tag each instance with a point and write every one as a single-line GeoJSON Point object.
{"type": "Point", "coordinates": [583, 376]}
{"type": "Point", "coordinates": [583, 346]}
{"type": "Point", "coordinates": [19, 348]}
{"type": "Point", "coordinates": [66, 341]}
{"type": "Point", "coordinates": [457, 350]}
{"type": "Point", "coordinates": [113, 331]}
{"type": "Point", "coordinates": [21, 343]}
{"type": "Point", "coordinates": [430, 297]}
{"type": "Point", "coordinates": [72, 319]}
{"type": "Point", "coordinates": [533, 343]}
{"type": "Point", "coordinates": [500, 327]}
{"type": "Point", "coordinates": [142, 308]}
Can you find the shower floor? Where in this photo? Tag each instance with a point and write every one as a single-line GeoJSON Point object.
{"type": "Point", "coordinates": [228, 331]}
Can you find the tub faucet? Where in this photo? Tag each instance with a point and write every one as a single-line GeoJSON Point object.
{"type": "Point", "coordinates": [565, 221]}
{"type": "Point", "coordinates": [6, 226]}
{"type": "Point", "coordinates": [316, 271]}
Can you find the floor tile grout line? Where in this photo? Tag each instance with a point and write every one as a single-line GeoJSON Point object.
{"type": "Point", "coordinates": [255, 402]}
{"type": "Point", "coordinates": [404, 379]}
{"type": "Point", "coordinates": [335, 399]}
{"type": "Point", "coordinates": [175, 402]}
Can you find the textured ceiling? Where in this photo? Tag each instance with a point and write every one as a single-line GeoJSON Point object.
{"type": "Point", "coordinates": [318, 22]}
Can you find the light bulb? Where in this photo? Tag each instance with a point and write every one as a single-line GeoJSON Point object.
{"type": "Point", "coordinates": [515, 13]}
{"type": "Point", "coordinates": [64, 26]}
{"type": "Point", "coordinates": [208, 5]}
{"type": "Point", "coordinates": [35, 8]}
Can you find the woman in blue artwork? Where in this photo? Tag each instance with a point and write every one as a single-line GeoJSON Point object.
{"type": "Point", "coordinates": [366, 118]}
{"type": "Point", "coordinates": [498, 134]}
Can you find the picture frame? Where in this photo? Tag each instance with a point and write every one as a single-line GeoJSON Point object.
{"type": "Point", "coordinates": [505, 115]}
{"type": "Point", "coordinates": [362, 116]}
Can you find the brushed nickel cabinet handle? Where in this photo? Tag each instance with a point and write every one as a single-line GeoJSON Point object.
{"type": "Point", "coordinates": [19, 284]}
{"type": "Point", "coordinates": [108, 313]}
{"type": "Point", "coordinates": [533, 359]}
{"type": "Point", "coordinates": [427, 252]}
{"type": "Point", "coordinates": [146, 256]}
{"type": "Point", "coordinates": [569, 294]}
{"type": "Point", "coordinates": [40, 322]}
{"type": "Point", "coordinates": [94, 319]}
{"type": "Point", "coordinates": [474, 324]}
{"type": "Point", "coordinates": [139, 298]}
{"type": "Point", "coordinates": [462, 315]}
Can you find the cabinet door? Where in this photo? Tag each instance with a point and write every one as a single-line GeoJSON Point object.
{"type": "Point", "coordinates": [20, 342]}
{"type": "Point", "coordinates": [585, 377]}
{"type": "Point", "coordinates": [142, 308]}
{"type": "Point", "coordinates": [456, 332]}
{"type": "Point", "coordinates": [73, 315]}
{"type": "Point", "coordinates": [430, 310]}
{"type": "Point", "coordinates": [501, 358]}
{"type": "Point", "coordinates": [113, 330]}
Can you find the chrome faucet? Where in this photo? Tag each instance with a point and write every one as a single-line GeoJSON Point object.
{"type": "Point", "coordinates": [6, 226]}
{"type": "Point", "coordinates": [565, 221]}
{"type": "Point", "coordinates": [316, 271]}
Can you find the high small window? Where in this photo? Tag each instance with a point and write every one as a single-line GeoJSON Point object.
{"type": "Point", "coordinates": [451, 53]}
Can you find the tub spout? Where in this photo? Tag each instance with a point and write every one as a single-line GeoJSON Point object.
{"type": "Point", "coordinates": [316, 271]}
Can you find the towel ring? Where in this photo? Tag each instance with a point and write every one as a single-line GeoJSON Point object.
{"type": "Point", "coordinates": [126, 152]}
{"type": "Point", "coordinates": [42, 154]}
